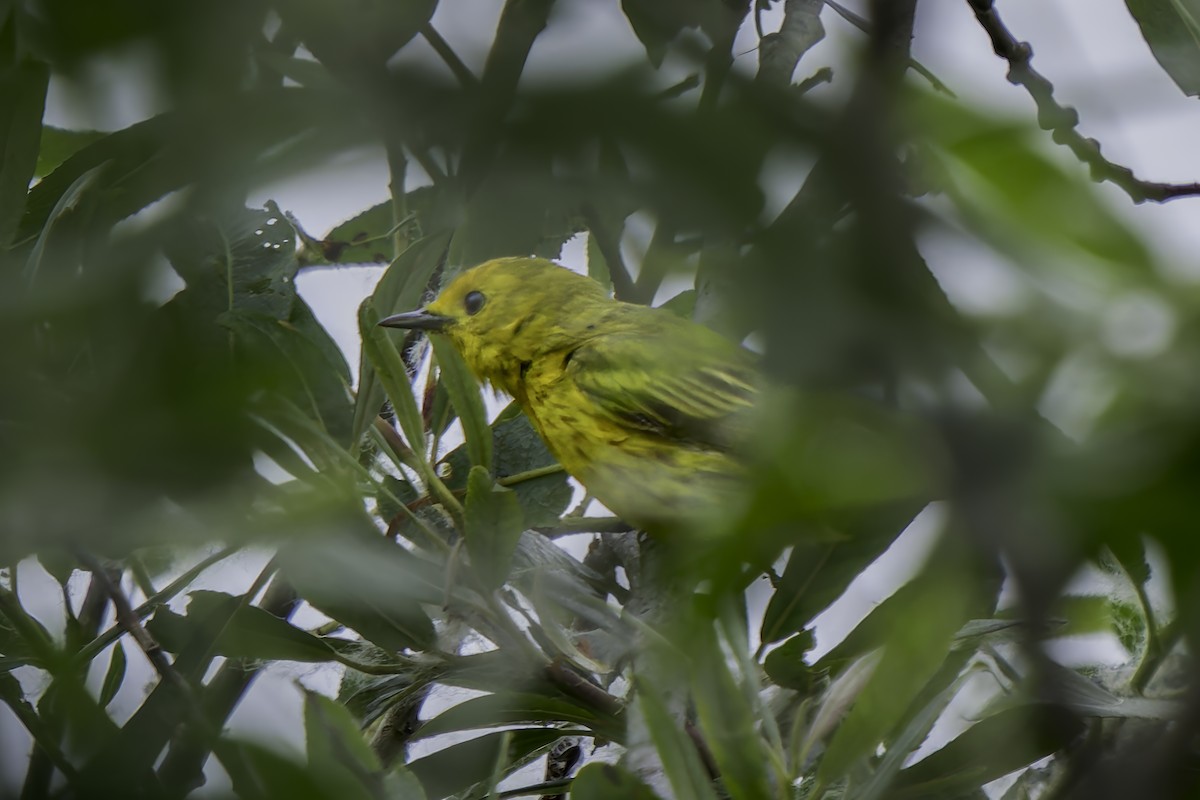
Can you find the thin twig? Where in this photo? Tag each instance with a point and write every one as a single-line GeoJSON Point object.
{"type": "Point", "coordinates": [131, 623]}
{"type": "Point", "coordinates": [93, 648]}
{"type": "Point", "coordinates": [529, 475]}
{"type": "Point", "coordinates": [1061, 120]}
{"type": "Point", "coordinates": [440, 46]}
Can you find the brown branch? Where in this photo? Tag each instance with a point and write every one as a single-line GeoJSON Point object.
{"type": "Point", "coordinates": [129, 621]}
{"type": "Point", "coordinates": [1061, 121]}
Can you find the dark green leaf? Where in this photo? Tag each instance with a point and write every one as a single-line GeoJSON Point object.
{"type": "Point", "coordinates": [463, 765]}
{"type": "Point", "coordinates": [785, 664]}
{"type": "Point", "coordinates": [517, 449]}
{"type": "Point", "coordinates": [728, 720]}
{"type": "Point", "coordinates": [1172, 29]}
{"type": "Point", "coordinates": [934, 610]}
{"type": "Point", "coordinates": [508, 708]}
{"type": "Point", "coordinates": [337, 754]}
{"type": "Point", "coordinates": [364, 239]}
{"type": "Point", "coordinates": [400, 289]}
{"type": "Point", "coordinates": [818, 572]}
{"type": "Point", "coordinates": [249, 632]}
{"type": "Point", "coordinates": [58, 145]}
{"type": "Point", "coordinates": [115, 675]}
{"type": "Point", "coordinates": [988, 750]}
{"type": "Point", "coordinates": [492, 526]}
{"type": "Point", "coordinates": [608, 782]}
{"type": "Point", "coordinates": [23, 83]}
{"type": "Point", "coordinates": [467, 402]}
{"type": "Point", "coordinates": [368, 584]}
{"type": "Point", "coordinates": [679, 757]}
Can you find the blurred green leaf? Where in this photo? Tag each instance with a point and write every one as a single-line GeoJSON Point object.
{"type": "Point", "coordinates": [23, 84]}
{"type": "Point", "coordinates": [818, 572]}
{"type": "Point", "coordinates": [248, 632]}
{"type": "Point", "coordinates": [509, 708]}
{"type": "Point", "coordinates": [785, 665]}
{"type": "Point", "coordinates": [368, 584]}
{"type": "Point", "coordinates": [460, 766]}
{"type": "Point", "coordinates": [680, 761]}
{"type": "Point", "coordinates": [337, 754]}
{"type": "Point", "coordinates": [607, 782]}
{"type": "Point", "coordinates": [729, 722]}
{"type": "Point", "coordinates": [492, 526]}
{"type": "Point", "coordinates": [934, 609]}
{"type": "Point", "coordinates": [1172, 29]}
{"type": "Point", "coordinates": [353, 45]}
{"type": "Point", "coordinates": [1013, 195]}
{"type": "Point", "coordinates": [58, 145]}
{"type": "Point", "coordinates": [989, 749]}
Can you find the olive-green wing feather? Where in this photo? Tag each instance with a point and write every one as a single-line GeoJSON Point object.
{"type": "Point", "coordinates": [681, 382]}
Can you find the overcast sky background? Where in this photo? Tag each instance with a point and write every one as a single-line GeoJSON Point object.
{"type": "Point", "coordinates": [1090, 49]}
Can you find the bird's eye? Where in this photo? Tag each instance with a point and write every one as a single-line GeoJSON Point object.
{"type": "Point", "coordinates": [473, 302]}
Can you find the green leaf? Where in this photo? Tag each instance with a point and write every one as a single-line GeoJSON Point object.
{"type": "Point", "coordinates": [364, 239]}
{"type": "Point", "coordinates": [608, 782]}
{"type": "Point", "coordinates": [337, 754]}
{"type": "Point", "coordinates": [269, 774]}
{"type": "Point", "coordinates": [1013, 196]}
{"type": "Point", "coordinates": [400, 289]}
{"type": "Point", "coordinates": [509, 708]}
{"type": "Point", "coordinates": [368, 584]}
{"type": "Point", "coordinates": [988, 750]}
{"type": "Point", "coordinates": [520, 207]}
{"type": "Point", "coordinates": [115, 675]}
{"type": "Point", "coordinates": [388, 367]}
{"type": "Point", "coordinates": [596, 264]}
{"type": "Point", "coordinates": [460, 766]}
{"type": "Point", "coordinates": [517, 449]}
{"type": "Point", "coordinates": [23, 84]}
{"type": "Point", "coordinates": [682, 304]}
{"type": "Point", "coordinates": [493, 524]}
{"type": "Point", "coordinates": [1172, 29]}
{"type": "Point", "coordinates": [173, 144]}
{"type": "Point", "coordinates": [728, 721]}
{"type": "Point", "coordinates": [818, 572]}
{"type": "Point", "coordinates": [935, 608]}
{"type": "Point", "coordinates": [249, 632]}
{"type": "Point", "coordinates": [679, 757]}
{"type": "Point", "coordinates": [58, 145]}
{"type": "Point", "coordinates": [467, 402]}
{"type": "Point", "coordinates": [299, 369]}
{"type": "Point", "coordinates": [785, 664]}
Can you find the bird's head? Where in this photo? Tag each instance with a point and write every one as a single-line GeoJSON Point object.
{"type": "Point", "coordinates": [506, 312]}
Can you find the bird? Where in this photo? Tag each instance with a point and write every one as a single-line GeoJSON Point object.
{"type": "Point", "coordinates": [646, 409]}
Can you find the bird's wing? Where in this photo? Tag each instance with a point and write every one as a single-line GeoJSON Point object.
{"type": "Point", "coordinates": [683, 384]}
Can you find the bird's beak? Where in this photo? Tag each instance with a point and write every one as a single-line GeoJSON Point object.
{"type": "Point", "coordinates": [419, 320]}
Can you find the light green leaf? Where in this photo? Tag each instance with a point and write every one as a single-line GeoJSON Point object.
{"type": "Point", "coordinates": [1172, 29]}
{"type": "Point", "coordinates": [493, 525]}
{"type": "Point", "coordinates": [467, 402]}
{"type": "Point", "coordinates": [608, 782]}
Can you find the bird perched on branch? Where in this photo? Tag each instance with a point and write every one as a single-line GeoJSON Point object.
{"type": "Point", "coordinates": [644, 408]}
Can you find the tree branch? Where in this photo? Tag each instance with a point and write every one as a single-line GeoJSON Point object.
{"type": "Point", "coordinates": [1061, 120]}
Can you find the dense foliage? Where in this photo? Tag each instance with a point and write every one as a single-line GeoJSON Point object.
{"type": "Point", "coordinates": [1041, 439]}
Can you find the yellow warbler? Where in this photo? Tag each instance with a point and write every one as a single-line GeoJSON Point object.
{"type": "Point", "coordinates": [642, 407]}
